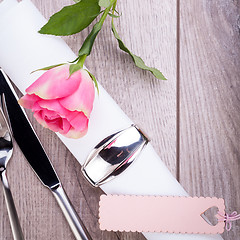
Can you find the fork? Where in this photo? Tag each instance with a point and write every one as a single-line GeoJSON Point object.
{"type": "Point", "coordinates": [6, 150]}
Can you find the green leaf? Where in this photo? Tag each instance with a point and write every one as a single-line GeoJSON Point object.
{"type": "Point", "coordinates": [137, 60]}
{"type": "Point", "coordinates": [114, 10]}
{"type": "Point", "coordinates": [94, 80]}
{"type": "Point", "coordinates": [113, 15]}
{"type": "Point", "coordinates": [74, 60]}
{"type": "Point", "coordinates": [117, 15]}
{"type": "Point", "coordinates": [88, 43]}
{"type": "Point", "coordinates": [73, 68]}
{"type": "Point", "coordinates": [104, 3]}
{"type": "Point", "coordinates": [48, 68]}
{"type": "Point", "coordinates": [72, 19]}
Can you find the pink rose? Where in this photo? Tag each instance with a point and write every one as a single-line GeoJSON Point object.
{"type": "Point", "coordinates": [62, 103]}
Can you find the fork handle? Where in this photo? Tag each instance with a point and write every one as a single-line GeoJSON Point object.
{"type": "Point", "coordinates": [12, 213]}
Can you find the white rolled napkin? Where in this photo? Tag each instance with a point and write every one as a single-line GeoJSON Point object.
{"type": "Point", "coordinates": [23, 49]}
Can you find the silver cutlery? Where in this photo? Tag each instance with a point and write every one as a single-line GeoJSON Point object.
{"type": "Point", "coordinates": [31, 147]}
{"type": "Point", "coordinates": [6, 150]}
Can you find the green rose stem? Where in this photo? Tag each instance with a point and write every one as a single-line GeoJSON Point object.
{"type": "Point", "coordinates": [82, 60]}
{"type": "Point", "coordinates": [113, 8]}
{"type": "Point", "coordinates": [86, 48]}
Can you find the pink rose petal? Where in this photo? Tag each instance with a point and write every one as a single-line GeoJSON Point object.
{"type": "Point", "coordinates": [54, 105]}
{"type": "Point", "coordinates": [27, 101]}
{"type": "Point", "coordinates": [80, 122]}
{"type": "Point", "coordinates": [65, 126]}
{"type": "Point", "coordinates": [53, 124]}
{"type": "Point", "coordinates": [55, 83]}
{"type": "Point", "coordinates": [48, 115]}
{"type": "Point", "coordinates": [36, 107]}
{"type": "Point", "coordinates": [75, 134]}
{"type": "Point", "coordinates": [82, 98]}
{"type": "Point", "coordinates": [39, 118]}
{"type": "Point", "coordinates": [79, 126]}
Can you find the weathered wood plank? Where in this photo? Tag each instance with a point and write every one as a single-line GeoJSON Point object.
{"type": "Point", "coordinates": [209, 101]}
{"type": "Point", "coordinates": [149, 32]}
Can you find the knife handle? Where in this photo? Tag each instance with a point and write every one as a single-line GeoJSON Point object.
{"type": "Point", "coordinates": [79, 230]}
{"type": "Point", "coordinates": [12, 212]}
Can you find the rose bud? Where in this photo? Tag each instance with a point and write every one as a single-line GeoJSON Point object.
{"type": "Point", "coordinates": [62, 103]}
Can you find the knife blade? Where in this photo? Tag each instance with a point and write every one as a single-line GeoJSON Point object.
{"type": "Point", "coordinates": [35, 154]}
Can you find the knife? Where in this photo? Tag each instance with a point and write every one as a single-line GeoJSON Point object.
{"type": "Point", "coordinates": [31, 147]}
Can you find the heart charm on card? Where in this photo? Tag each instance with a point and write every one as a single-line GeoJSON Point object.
{"type": "Point", "coordinates": [210, 216]}
{"type": "Point", "coordinates": [161, 214]}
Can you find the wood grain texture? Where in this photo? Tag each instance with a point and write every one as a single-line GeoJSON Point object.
{"type": "Point", "coordinates": [209, 101]}
{"type": "Point", "coordinates": [209, 110]}
{"type": "Point", "coordinates": [149, 32]}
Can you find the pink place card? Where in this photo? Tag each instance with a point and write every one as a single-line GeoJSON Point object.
{"type": "Point", "coordinates": [159, 214]}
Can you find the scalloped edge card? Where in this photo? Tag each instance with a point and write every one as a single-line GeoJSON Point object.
{"type": "Point", "coordinates": [161, 214]}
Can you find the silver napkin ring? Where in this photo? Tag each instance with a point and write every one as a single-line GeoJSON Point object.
{"type": "Point", "coordinates": [113, 155]}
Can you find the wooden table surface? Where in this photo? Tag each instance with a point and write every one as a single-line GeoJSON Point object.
{"type": "Point", "coordinates": [193, 118]}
